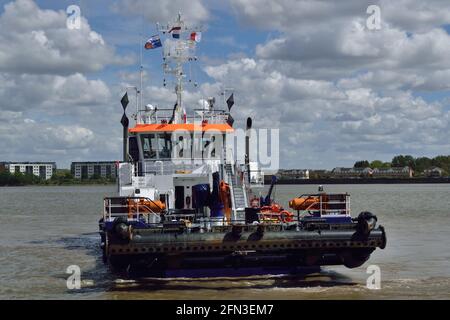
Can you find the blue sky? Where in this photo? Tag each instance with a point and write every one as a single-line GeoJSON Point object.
{"type": "Point", "coordinates": [337, 91]}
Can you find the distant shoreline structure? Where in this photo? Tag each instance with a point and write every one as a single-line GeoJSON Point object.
{"type": "Point", "coordinates": [359, 181]}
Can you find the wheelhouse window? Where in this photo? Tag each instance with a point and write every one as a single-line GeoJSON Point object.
{"type": "Point", "coordinates": [165, 145]}
{"type": "Point", "coordinates": [149, 144]}
{"type": "Point", "coordinates": [156, 145]}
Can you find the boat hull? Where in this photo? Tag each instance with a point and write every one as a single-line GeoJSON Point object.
{"type": "Point", "coordinates": [161, 254]}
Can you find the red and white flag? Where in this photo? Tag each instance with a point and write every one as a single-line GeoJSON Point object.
{"type": "Point", "coordinates": [196, 36]}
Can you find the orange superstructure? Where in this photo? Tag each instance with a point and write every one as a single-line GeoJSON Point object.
{"type": "Point", "coordinates": [190, 127]}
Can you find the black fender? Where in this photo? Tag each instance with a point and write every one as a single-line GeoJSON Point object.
{"type": "Point", "coordinates": [367, 221]}
{"type": "Point", "coordinates": [121, 228]}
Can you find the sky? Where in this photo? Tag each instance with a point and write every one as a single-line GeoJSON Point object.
{"type": "Point", "coordinates": [337, 90]}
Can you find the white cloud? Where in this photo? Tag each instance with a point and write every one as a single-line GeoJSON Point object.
{"type": "Point", "coordinates": [337, 91]}
{"type": "Point", "coordinates": [57, 94]}
{"type": "Point", "coordinates": [16, 138]}
{"type": "Point", "coordinates": [291, 15]}
{"type": "Point", "coordinates": [163, 11]}
{"type": "Point", "coordinates": [330, 40]}
{"type": "Point", "coordinates": [326, 119]}
{"type": "Point", "coordinates": [351, 92]}
{"type": "Point", "coordinates": [50, 110]}
{"type": "Point", "coordinates": [37, 41]}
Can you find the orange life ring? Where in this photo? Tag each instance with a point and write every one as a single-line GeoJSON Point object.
{"type": "Point", "coordinates": [286, 216]}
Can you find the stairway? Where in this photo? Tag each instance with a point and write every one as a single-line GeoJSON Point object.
{"type": "Point", "coordinates": [238, 191]}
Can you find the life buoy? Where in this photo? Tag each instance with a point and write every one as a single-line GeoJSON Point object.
{"type": "Point", "coordinates": [286, 216]}
{"type": "Point", "coordinates": [277, 213]}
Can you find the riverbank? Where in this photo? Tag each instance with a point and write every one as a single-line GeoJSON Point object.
{"type": "Point", "coordinates": [63, 184]}
{"type": "Point", "coordinates": [62, 177]}
{"type": "Point", "coordinates": [360, 181]}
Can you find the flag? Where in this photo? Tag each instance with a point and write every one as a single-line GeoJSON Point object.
{"type": "Point", "coordinates": [124, 101]}
{"type": "Point", "coordinates": [196, 36]}
{"type": "Point", "coordinates": [230, 101]}
{"type": "Point", "coordinates": [153, 42]}
{"type": "Point", "coordinates": [175, 32]}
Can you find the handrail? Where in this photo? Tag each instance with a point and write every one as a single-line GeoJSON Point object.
{"type": "Point", "coordinates": [136, 198]}
{"type": "Point", "coordinates": [245, 189]}
{"type": "Point", "coordinates": [165, 114]}
{"type": "Point", "coordinates": [230, 182]}
{"type": "Point", "coordinates": [242, 179]}
{"type": "Point", "coordinates": [323, 205]}
{"type": "Point", "coordinates": [107, 204]}
{"type": "Point", "coordinates": [126, 211]}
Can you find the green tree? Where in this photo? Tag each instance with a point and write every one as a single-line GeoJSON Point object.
{"type": "Point", "coordinates": [422, 164]}
{"type": "Point", "coordinates": [5, 178]}
{"type": "Point", "coordinates": [442, 162]}
{"type": "Point", "coordinates": [403, 161]}
{"type": "Point", "coordinates": [387, 165]}
{"type": "Point", "coordinates": [376, 164]}
{"type": "Point", "coordinates": [361, 164]}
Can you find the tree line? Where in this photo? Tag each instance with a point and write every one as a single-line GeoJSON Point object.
{"type": "Point", "coordinates": [60, 177]}
{"type": "Point", "coordinates": [419, 165]}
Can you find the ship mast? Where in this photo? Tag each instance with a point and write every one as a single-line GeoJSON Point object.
{"type": "Point", "coordinates": [178, 49]}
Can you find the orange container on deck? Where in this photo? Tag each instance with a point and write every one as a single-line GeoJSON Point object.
{"type": "Point", "coordinates": [303, 203]}
{"type": "Point", "coordinates": [145, 206]}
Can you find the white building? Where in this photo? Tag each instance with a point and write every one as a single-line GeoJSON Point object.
{"type": "Point", "coordinates": [434, 172]}
{"type": "Point", "coordinates": [340, 172]}
{"type": "Point", "coordinates": [87, 169]}
{"type": "Point", "coordinates": [295, 174]}
{"type": "Point", "coordinates": [43, 170]}
{"type": "Point", "coordinates": [393, 172]}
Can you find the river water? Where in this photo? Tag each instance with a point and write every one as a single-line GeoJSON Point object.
{"type": "Point", "coordinates": [43, 230]}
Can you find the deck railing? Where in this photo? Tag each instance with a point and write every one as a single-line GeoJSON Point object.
{"type": "Point", "coordinates": [328, 204]}
{"type": "Point", "coordinates": [164, 115]}
{"type": "Point", "coordinates": [131, 207]}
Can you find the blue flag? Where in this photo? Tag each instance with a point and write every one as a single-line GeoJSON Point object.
{"type": "Point", "coordinates": [153, 42]}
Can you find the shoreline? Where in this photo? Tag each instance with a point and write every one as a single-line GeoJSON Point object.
{"type": "Point", "coordinates": [267, 181]}
{"type": "Point", "coordinates": [59, 185]}
{"type": "Point", "coordinates": [361, 181]}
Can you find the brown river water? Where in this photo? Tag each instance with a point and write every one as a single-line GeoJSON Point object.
{"type": "Point", "coordinates": [43, 230]}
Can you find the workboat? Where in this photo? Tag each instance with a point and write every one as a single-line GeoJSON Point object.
{"type": "Point", "coordinates": [186, 204]}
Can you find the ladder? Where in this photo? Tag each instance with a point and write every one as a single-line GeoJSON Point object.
{"type": "Point", "coordinates": [237, 192]}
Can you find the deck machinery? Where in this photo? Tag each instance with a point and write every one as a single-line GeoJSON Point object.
{"type": "Point", "coordinates": [186, 203]}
